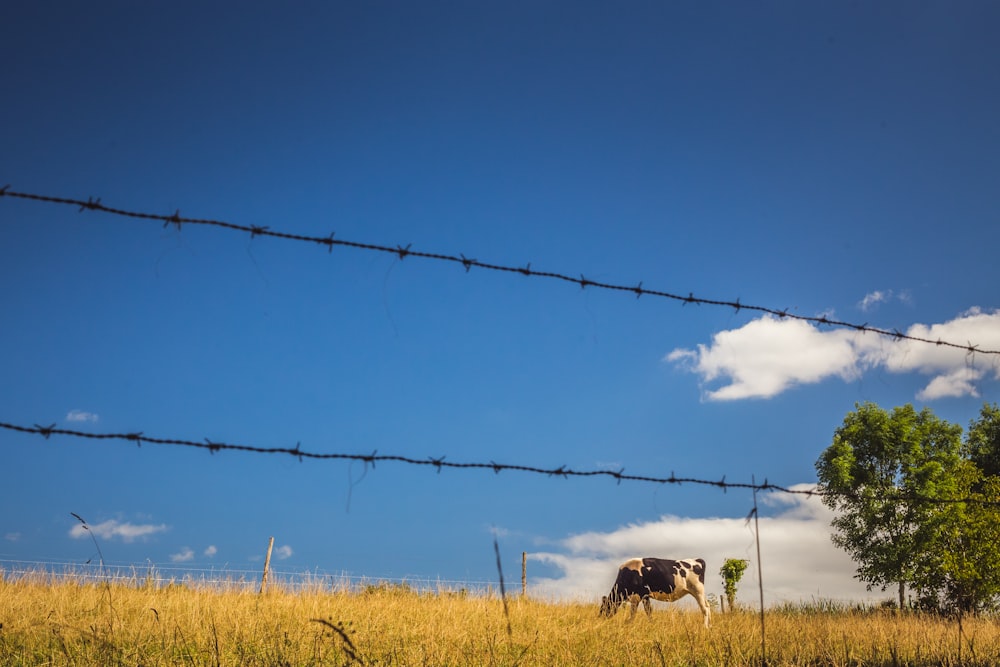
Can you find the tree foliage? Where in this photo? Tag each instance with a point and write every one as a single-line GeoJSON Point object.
{"type": "Point", "coordinates": [732, 571]}
{"type": "Point", "coordinates": [878, 463]}
{"type": "Point", "coordinates": [959, 572]}
{"type": "Point", "coordinates": [982, 444]}
{"type": "Point", "coordinates": [916, 506]}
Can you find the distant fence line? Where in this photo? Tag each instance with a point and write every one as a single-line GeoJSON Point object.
{"type": "Point", "coordinates": [92, 204]}
{"type": "Point", "coordinates": [225, 578]}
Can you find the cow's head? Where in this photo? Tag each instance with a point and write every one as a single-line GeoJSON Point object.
{"type": "Point", "coordinates": [609, 606]}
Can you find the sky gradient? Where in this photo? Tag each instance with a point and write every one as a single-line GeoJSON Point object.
{"type": "Point", "coordinates": [833, 160]}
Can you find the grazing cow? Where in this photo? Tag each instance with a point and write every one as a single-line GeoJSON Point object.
{"type": "Point", "coordinates": [640, 579]}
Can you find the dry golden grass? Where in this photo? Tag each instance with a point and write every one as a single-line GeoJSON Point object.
{"type": "Point", "coordinates": [45, 623]}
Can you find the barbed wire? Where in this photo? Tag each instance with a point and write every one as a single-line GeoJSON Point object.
{"type": "Point", "coordinates": [403, 252]}
{"type": "Point", "coordinates": [440, 463]}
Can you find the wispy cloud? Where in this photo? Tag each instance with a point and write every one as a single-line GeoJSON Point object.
{"type": "Point", "coordinates": [770, 355]}
{"type": "Point", "coordinates": [211, 550]}
{"type": "Point", "coordinates": [799, 561]}
{"type": "Point", "coordinates": [184, 555]}
{"type": "Point", "coordinates": [873, 299]}
{"type": "Point", "coordinates": [499, 532]}
{"type": "Point", "coordinates": [12, 537]}
{"type": "Point", "coordinates": [114, 529]}
{"type": "Point", "coordinates": [82, 416]}
{"type": "Point", "coordinates": [283, 552]}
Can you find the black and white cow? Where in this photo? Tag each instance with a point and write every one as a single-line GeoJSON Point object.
{"type": "Point", "coordinates": [640, 579]}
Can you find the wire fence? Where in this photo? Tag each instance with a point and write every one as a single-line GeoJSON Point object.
{"type": "Point", "coordinates": [225, 578]}
{"type": "Point", "coordinates": [371, 459]}
{"type": "Point", "coordinates": [468, 263]}
{"type": "Point", "coordinates": [440, 463]}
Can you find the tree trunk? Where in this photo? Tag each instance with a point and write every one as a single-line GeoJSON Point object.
{"type": "Point", "coordinates": [902, 594]}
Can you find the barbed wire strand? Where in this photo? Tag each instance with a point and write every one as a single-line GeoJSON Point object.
{"type": "Point", "coordinates": [440, 463]}
{"type": "Point", "coordinates": [402, 252]}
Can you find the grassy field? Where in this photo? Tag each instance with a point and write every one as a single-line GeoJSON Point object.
{"type": "Point", "coordinates": [67, 623]}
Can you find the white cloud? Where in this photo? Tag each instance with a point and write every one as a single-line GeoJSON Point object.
{"type": "Point", "coordinates": [82, 416]}
{"type": "Point", "coordinates": [873, 299]}
{"type": "Point", "coordinates": [111, 529]}
{"type": "Point", "coordinates": [211, 550]}
{"type": "Point", "coordinates": [283, 552]}
{"type": "Point", "coordinates": [184, 555]}
{"type": "Point", "coordinates": [961, 382]}
{"type": "Point", "coordinates": [877, 297]}
{"type": "Point", "coordinates": [955, 371]}
{"type": "Point", "coordinates": [770, 355]}
{"type": "Point", "coordinates": [12, 537]}
{"type": "Point", "coordinates": [800, 563]}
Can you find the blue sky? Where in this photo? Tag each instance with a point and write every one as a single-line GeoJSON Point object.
{"type": "Point", "coordinates": [832, 159]}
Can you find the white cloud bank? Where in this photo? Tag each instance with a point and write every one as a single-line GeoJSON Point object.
{"type": "Point", "coordinates": [112, 529]}
{"type": "Point", "coordinates": [799, 561]}
{"type": "Point", "coordinates": [770, 355]}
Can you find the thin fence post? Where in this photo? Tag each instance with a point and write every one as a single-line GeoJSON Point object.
{"type": "Point", "coordinates": [524, 573]}
{"type": "Point", "coordinates": [267, 565]}
{"type": "Point", "coordinates": [760, 576]}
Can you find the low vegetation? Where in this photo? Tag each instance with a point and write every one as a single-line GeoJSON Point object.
{"type": "Point", "coordinates": [44, 622]}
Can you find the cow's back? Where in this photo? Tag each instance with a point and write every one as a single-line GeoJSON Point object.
{"type": "Point", "coordinates": [630, 578]}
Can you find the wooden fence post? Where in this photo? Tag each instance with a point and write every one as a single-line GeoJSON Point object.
{"type": "Point", "coordinates": [524, 573]}
{"type": "Point", "coordinates": [267, 565]}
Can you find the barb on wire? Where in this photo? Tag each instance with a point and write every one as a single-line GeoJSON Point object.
{"type": "Point", "coordinates": [175, 219]}
{"type": "Point", "coordinates": [402, 252]}
{"type": "Point", "coordinates": [439, 463]}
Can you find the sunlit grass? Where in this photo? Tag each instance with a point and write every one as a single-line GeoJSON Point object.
{"type": "Point", "coordinates": [49, 622]}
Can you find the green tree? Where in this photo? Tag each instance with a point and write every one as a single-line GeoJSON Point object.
{"type": "Point", "coordinates": [962, 573]}
{"type": "Point", "coordinates": [732, 571]}
{"type": "Point", "coordinates": [878, 463]}
{"type": "Point", "coordinates": [982, 443]}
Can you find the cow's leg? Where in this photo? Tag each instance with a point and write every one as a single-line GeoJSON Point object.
{"type": "Point", "coordinates": [706, 610]}
{"type": "Point", "coordinates": [633, 602]}
{"type": "Point", "coordinates": [648, 605]}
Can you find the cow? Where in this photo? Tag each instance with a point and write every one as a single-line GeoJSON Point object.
{"type": "Point", "coordinates": [640, 579]}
